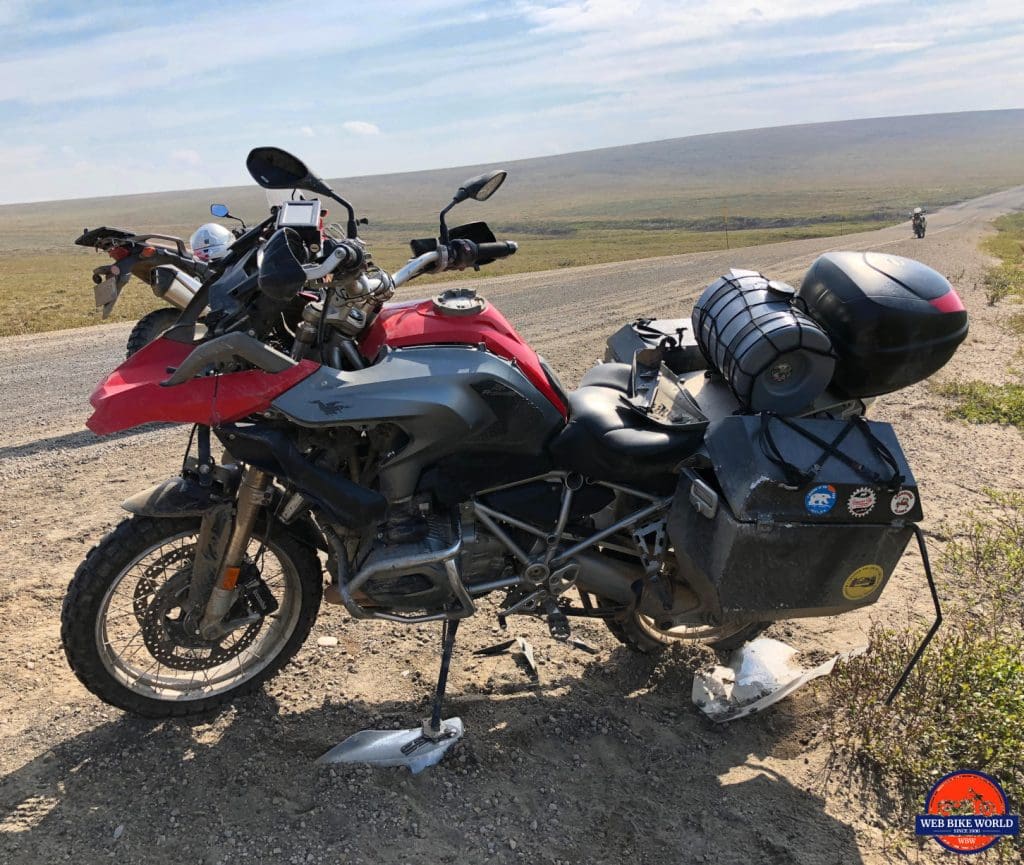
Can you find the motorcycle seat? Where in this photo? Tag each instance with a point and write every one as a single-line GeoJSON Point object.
{"type": "Point", "coordinates": [606, 439]}
{"type": "Point", "coordinates": [614, 375]}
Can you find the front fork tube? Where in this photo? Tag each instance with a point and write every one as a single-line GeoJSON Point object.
{"type": "Point", "coordinates": [252, 495]}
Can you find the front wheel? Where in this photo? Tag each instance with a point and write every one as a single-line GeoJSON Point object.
{"type": "Point", "coordinates": [150, 326]}
{"type": "Point", "coordinates": [124, 627]}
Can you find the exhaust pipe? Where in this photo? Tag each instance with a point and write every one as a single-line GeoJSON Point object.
{"type": "Point", "coordinates": [622, 582]}
{"type": "Point", "coordinates": [609, 578]}
{"type": "Point", "coordinates": [173, 285]}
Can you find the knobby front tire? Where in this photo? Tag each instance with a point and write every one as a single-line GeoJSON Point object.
{"type": "Point", "coordinates": [120, 621]}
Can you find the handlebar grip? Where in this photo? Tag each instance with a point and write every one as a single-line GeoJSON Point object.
{"type": "Point", "coordinates": [497, 249]}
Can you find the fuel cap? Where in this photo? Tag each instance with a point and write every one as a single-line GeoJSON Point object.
{"type": "Point", "coordinates": [459, 301]}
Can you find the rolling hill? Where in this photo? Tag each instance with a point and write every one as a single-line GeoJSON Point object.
{"type": "Point", "coordinates": [857, 170]}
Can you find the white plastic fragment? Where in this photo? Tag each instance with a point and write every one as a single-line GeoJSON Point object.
{"type": "Point", "coordinates": [759, 674]}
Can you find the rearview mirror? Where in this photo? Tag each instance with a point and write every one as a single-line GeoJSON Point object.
{"type": "Point", "coordinates": [274, 168]}
{"type": "Point", "coordinates": [220, 210]}
{"type": "Point", "coordinates": [481, 187]}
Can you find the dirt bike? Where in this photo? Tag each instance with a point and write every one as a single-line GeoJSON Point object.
{"type": "Point", "coordinates": [160, 260]}
{"type": "Point", "coordinates": [919, 224]}
{"type": "Point", "coordinates": [425, 456]}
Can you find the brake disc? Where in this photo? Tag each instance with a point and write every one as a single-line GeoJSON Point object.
{"type": "Point", "coordinates": [161, 611]}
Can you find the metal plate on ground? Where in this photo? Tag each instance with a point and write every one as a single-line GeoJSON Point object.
{"type": "Point", "coordinates": [409, 748]}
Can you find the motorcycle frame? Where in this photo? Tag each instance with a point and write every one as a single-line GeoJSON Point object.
{"type": "Point", "coordinates": [551, 559]}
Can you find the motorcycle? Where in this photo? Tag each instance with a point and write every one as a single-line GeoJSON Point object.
{"type": "Point", "coordinates": [162, 261]}
{"type": "Point", "coordinates": [918, 222]}
{"type": "Point", "coordinates": [425, 456]}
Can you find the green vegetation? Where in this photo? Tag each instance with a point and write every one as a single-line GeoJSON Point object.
{"type": "Point", "coordinates": [1007, 243]}
{"type": "Point", "coordinates": [985, 561]}
{"type": "Point", "coordinates": [963, 706]}
{"type": "Point", "coordinates": [1005, 279]}
{"type": "Point", "coordinates": [42, 292]}
{"type": "Point", "coordinates": [983, 402]}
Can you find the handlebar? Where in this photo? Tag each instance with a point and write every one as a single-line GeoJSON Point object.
{"type": "Point", "coordinates": [498, 249]}
{"type": "Point", "coordinates": [346, 255]}
{"type": "Point", "coordinates": [458, 255]}
{"type": "Point", "coordinates": [465, 253]}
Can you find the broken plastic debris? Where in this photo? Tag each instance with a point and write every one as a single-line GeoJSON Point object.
{"type": "Point", "coordinates": [519, 648]}
{"type": "Point", "coordinates": [409, 748]}
{"type": "Point", "coordinates": [759, 674]}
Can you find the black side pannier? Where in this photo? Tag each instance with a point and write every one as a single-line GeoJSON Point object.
{"type": "Point", "coordinates": [794, 517]}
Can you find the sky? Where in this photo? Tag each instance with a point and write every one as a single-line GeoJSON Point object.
{"type": "Point", "coordinates": [160, 94]}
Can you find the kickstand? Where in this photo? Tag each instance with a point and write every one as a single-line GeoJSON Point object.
{"type": "Point", "coordinates": [432, 728]}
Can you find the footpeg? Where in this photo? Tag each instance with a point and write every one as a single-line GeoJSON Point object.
{"type": "Point", "coordinates": [558, 622]}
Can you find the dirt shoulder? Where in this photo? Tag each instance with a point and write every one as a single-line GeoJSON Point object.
{"type": "Point", "coordinates": [604, 761]}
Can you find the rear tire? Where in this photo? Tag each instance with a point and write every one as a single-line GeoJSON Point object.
{"type": "Point", "coordinates": [150, 326]}
{"type": "Point", "coordinates": [641, 634]}
{"type": "Point", "coordinates": [120, 671]}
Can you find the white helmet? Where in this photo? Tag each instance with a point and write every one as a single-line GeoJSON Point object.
{"type": "Point", "coordinates": [210, 242]}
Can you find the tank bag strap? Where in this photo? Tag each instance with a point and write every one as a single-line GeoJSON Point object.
{"type": "Point", "coordinates": [795, 476]}
{"type": "Point", "coordinates": [665, 341]}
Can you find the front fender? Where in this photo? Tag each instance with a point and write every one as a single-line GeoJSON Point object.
{"type": "Point", "coordinates": [186, 497]}
{"type": "Point", "coordinates": [177, 497]}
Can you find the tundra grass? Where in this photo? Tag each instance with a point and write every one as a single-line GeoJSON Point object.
{"type": "Point", "coordinates": [1005, 279]}
{"type": "Point", "coordinates": [43, 291]}
{"type": "Point", "coordinates": [982, 401]}
{"type": "Point", "coordinates": [1007, 244]}
{"type": "Point", "coordinates": [963, 706]}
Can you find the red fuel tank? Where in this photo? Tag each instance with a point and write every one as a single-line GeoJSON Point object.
{"type": "Point", "coordinates": [458, 318]}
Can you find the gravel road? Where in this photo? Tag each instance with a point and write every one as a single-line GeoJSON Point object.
{"type": "Point", "coordinates": [603, 761]}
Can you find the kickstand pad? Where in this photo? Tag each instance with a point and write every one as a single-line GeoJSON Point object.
{"type": "Point", "coordinates": [409, 748]}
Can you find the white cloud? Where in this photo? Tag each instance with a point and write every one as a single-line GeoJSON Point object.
{"type": "Point", "coordinates": [187, 156]}
{"type": "Point", "coordinates": [361, 127]}
{"type": "Point", "coordinates": [539, 77]}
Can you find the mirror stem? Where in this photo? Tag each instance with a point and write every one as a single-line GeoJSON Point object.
{"type": "Point", "coordinates": [443, 236]}
{"type": "Point", "coordinates": [351, 229]}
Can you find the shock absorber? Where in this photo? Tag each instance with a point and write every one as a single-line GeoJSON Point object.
{"type": "Point", "coordinates": [252, 495]}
